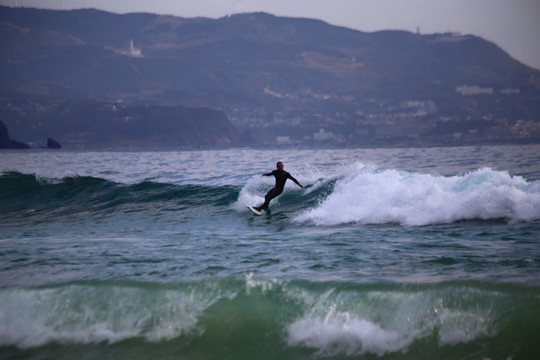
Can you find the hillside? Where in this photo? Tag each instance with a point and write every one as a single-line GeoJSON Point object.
{"type": "Point", "coordinates": [96, 124]}
{"type": "Point", "coordinates": [268, 73]}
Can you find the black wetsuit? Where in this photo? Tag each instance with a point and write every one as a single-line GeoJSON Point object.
{"type": "Point", "coordinates": [281, 177]}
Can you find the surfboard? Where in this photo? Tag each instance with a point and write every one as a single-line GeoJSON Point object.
{"type": "Point", "coordinates": [255, 210]}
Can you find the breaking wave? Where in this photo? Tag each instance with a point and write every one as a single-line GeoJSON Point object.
{"type": "Point", "coordinates": [327, 318]}
{"type": "Point", "coordinates": [368, 195]}
{"type": "Point", "coordinates": [358, 194]}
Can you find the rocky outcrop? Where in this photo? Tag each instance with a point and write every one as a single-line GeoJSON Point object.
{"type": "Point", "coordinates": [6, 142]}
{"type": "Point", "coordinates": [52, 144]}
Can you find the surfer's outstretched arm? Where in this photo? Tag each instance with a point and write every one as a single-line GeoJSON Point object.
{"type": "Point", "coordinates": [296, 181]}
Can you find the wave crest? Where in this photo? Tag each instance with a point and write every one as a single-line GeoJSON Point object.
{"type": "Point", "coordinates": [28, 195]}
{"type": "Point", "coordinates": [329, 318]}
{"type": "Point", "coordinates": [370, 196]}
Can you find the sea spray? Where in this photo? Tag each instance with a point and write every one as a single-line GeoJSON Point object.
{"type": "Point", "coordinates": [329, 318]}
{"type": "Point", "coordinates": [373, 196]}
{"type": "Point", "coordinates": [316, 183]}
{"type": "Point", "coordinates": [387, 319]}
{"type": "Point", "coordinates": [96, 311]}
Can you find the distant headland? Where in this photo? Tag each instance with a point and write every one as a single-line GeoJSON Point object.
{"type": "Point", "coordinates": [93, 78]}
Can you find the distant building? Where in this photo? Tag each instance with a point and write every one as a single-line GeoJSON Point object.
{"type": "Point", "coordinates": [510, 91]}
{"type": "Point", "coordinates": [133, 51]}
{"type": "Point", "coordinates": [322, 135]}
{"type": "Point", "coordinates": [473, 90]}
{"type": "Point", "coordinates": [452, 37]}
{"type": "Point", "coordinates": [422, 108]}
{"type": "Point", "coordinates": [283, 140]}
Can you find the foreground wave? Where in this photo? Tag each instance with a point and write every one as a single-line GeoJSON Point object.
{"type": "Point", "coordinates": [273, 318]}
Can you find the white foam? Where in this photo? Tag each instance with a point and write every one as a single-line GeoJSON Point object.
{"type": "Point", "coordinates": [253, 192]}
{"type": "Point", "coordinates": [264, 285]}
{"type": "Point", "coordinates": [339, 332]}
{"type": "Point", "coordinates": [461, 327]}
{"type": "Point", "coordinates": [381, 322]}
{"type": "Point", "coordinates": [370, 196]}
{"type": "Point", "coordinates": [86, 314]}
{"type": "Point", "coordinates": [350, 334]}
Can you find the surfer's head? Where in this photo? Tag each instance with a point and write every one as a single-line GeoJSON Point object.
{"type": "Point", "coordinates": [279, 165]}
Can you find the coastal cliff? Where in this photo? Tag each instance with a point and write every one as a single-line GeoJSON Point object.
{"type": "Point", "coordinates": [6, 142]}
{"type": "Point", "coordinates": [94, 124]}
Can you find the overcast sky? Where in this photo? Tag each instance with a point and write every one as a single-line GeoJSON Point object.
{"type": "Point", "coordinates": [514, 25]}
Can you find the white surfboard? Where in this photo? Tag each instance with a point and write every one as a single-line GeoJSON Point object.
{"type": "Point", "coordinates": [255, 210]}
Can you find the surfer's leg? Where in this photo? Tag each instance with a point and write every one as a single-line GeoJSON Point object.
{"type": "Point", "coordinates": [267, 199]}
{"type": "Point", "coordinates": [269, 196]}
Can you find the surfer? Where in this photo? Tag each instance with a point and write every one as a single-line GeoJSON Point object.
{"type": "Point", "coordinates": [281, 177]}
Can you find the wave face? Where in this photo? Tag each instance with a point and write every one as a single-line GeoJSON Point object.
{"type": "Point", "coordinates": [26, 195]}
{"type": "Point", "coordinates": [359, 194]}
{"type": "Point", "coordinates": [367, 195]}
{"type": "Point", "coordinates": [271, 318]}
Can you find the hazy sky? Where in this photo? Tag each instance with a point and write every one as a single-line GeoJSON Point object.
{"type": "Point", "coordinates": [514, 25]}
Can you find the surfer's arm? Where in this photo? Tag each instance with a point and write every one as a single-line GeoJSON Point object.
{"type": "Point", "coordinates": [296, 181]}
{"type": "Point", "coordinates": [272, 173]}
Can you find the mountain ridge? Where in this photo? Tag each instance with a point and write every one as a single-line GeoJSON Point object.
{"type": "Point", "coordinates": [258, 68]}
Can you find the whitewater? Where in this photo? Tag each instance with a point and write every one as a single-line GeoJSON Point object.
{"type": "Point", "coordinates": [387, 253]}
{"type": "Point", "coordinates": [371, 196]}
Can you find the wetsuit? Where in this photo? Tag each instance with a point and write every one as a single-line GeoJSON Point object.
{"type": "Point", "coordinates": [281, 177]}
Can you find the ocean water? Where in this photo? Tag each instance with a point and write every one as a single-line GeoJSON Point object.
{"type": "Point", "coordinates": [430, 253]}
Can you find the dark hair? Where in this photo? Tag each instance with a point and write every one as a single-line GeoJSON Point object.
{"type": "Point", "coordinates": [277, 164]}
